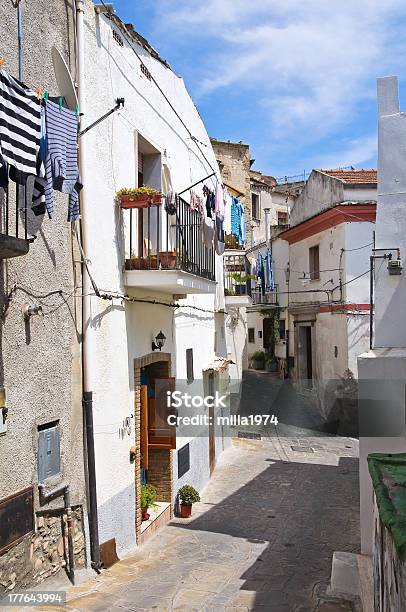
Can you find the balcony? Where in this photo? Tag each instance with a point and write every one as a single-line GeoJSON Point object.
{"type": "Point", "coordinates": [166, 251]}
{"type": "Point", "coordinates": [13, 227]}
{"type": "Point", "coordinates": [263, 301]}
{"type": "Point", "coordinates": [237, 281]}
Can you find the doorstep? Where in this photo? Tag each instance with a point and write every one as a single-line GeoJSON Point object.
{"type": "Point", "coordinates": [159, 516]}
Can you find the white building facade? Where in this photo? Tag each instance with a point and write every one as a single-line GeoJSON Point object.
{"type": "Point", "coordinates": [149, 142]}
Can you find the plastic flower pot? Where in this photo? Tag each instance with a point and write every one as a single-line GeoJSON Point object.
{"type": "Point", "coordinates": [144, 514]}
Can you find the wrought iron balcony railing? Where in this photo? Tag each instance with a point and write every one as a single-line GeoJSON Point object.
{"type": "Point", "coordinates": [159, 240]}
{"type": "Point", "coordinates": [269, 297]}
{"type": "Point", "coordinates": [14, 240]}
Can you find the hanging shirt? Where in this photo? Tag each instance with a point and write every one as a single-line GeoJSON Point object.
{"type": "Point", "coordinates": [254, 267]}
{"type": "Point", "coordinates": [268, 270]}
{"type": "Point", "coordinates": [235, 217]}
{"type": "Point", "coordinates": [227, 214]}
{"type": "Point", "coordinates": [61, 166]}
{"type": "Point", "coordinates": [243, 230]}
{"type": "Point", "coordinates": [219, 240]}
{"type": "Point", "coordinates": [220, 204]}
{"type": "Point", "coordinates": [20, 127]}
{"type": "Point", "coordinates": [261, 271]}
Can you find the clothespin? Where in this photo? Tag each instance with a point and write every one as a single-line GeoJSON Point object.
{"type": "Point", "coordinates": [77, 110]}
{"type": "Point", "coordinates": [45, 96]}
{"type": "Point", "coordinates": [2, 62]}
{"type": "Point", "coordinates": [60, 103]}
{"type": "Point", "coordinates": [40, 92]}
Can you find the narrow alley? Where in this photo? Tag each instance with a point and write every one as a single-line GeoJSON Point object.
{"type": "Point", "coordinates": [262, 538]}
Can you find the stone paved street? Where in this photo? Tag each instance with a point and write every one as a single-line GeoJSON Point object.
{"type": "Point", "coordinates": [262, 537]}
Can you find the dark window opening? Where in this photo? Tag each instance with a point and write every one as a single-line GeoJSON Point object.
{"type": "Point", "coordinates": [282, 217]}
{"type": "Point", "coordinates": [282, 329]}
{"type": "Point", "coordinates": [183, 460]}
{"type": "Point", "coordinates": [255, 206]}
{"type": "Point", "coordinates": [251, 334]}
{"type": "Point", "coordinates": [314, 265]}
{"type": "Point", "coordinates": [189, 365]}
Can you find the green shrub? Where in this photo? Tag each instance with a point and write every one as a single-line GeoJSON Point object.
{"type": "Point", "coordinates": [137, 191]}
{"type": "Point", "coordinates": [148, 496]}
{"type": "Point", "coordinates": [258, 356]}
{"type": "Point", "coordinates": [188, 495]}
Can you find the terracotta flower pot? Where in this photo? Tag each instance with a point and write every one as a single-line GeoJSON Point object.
{"type": "Point", "coordinates": [139, 200]}
{"type": "Point", "coordinates": [185, 510]}
{"type": "Point", "coordinates": [168, 259]}
{"type": "Point", "coordinates": [144, 514]}
{"type": "Point", "coordinates": [141, 263]}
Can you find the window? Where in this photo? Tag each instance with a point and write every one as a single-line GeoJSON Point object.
{"type": "Point", "coordinates": [183, 460]}
{"type": "Point", "coordinates": [255, 212]}
{"type": "Point", "coordinates": [314, 265]}
{"type": "Point", "coordinates": [282, 329]}
{"type": "Point", "coordinates": [282, 217]}
{"type": "Point", "coordinates": [189, 365]}
{"type": "Point", "coordinates": [251, 334]}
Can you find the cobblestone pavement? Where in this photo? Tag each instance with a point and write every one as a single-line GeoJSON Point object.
{"type": "Point", "coordinates": [262, 538]}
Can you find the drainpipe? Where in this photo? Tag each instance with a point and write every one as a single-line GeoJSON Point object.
{"type": "Point", "coordinates": [87, 331]}
{"type": "Point", "coordinates": [47, 497]}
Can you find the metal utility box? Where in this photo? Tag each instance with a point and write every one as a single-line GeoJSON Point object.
{"type": "Point", "coordinates": [49, 451]}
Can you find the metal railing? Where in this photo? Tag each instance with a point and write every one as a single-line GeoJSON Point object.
{"type": "Point", "coordinates": [235, 273]}
{"type": "Point", "coordinates": [162, 241]}
{"type": "Point", "coordinates": [269, 297]}
{"type": "Point", "coordinates": [13, 213]}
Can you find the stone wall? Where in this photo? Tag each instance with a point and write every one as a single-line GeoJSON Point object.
{"type": "Point", "coordinates": [43, 553]}
{"type": "Point", "coordinates": [234, 162]}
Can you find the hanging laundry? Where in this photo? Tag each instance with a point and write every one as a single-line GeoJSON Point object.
{"type": "Point", "coordinates": [61, 166]}
{"type": "Point", "coordinates": [243, 230]}
{"type": "Point", "coordinates": [20, 126]}
{"type": "Point", "coordinates": [171, 201]}
{"type": "Point", "coordinates": [227, 214]}
{"type": "Point", "coordinates": [238, 221]}
{"type": "Point", "coordinates": [268, 270]}
{"type": "Point", "coordinates": [254, 267]}
{"type": "Point", "coordinates": [261, 271]}
{"type": "Point", "coordinates": [219, 239]}
{"type": "Point", "coordinates": [195, 201]}
{"type": "Point", "coordinates": [220, 203]}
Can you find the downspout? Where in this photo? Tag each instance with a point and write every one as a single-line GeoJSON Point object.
{"type": "Point", "coordinates": [87, 347]}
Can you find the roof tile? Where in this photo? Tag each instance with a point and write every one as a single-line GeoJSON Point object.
{"type": "Point", "coordinates": [355, 177]}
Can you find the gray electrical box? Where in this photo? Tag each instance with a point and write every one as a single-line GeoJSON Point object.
{"type": "Point", "coordinates": [49, 451]}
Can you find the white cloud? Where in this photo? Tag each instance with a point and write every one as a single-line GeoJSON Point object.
{"type": "Point", "coordinates": [310, 63]}
{"type": "Point", "coordinates": [357, 152]}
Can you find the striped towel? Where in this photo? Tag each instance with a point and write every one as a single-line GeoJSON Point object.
{"type": "Point", "coordinates": [20, 124]}
{"type": "Point", "coordinates": [61, 163]}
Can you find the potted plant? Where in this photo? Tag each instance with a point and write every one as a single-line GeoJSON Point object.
{"type": "Point", "coordinates": [167, 259]}
{"type": "Point", "coordinates": [258, 360]}
{"type": "Point", "coordinates": [148, 499]}
{"type": "Point", "coordinates": [188, 496]}
{"type": "Point", "coordinates": [271, 365]}
{"type": "Point", "coordinates": [241, 281]}
{"type": "Point", "coordinates": [138, 197]}
{"type": "Point", "coordinates": [141, 263]}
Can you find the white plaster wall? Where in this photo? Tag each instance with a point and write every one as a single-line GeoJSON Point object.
{"type": "Point", "coordinates": [358, 245]}
{"type": "Point", "coordinates": [391, 219]}
{"type": "Point", "coordinates": [275, 202]}
{"type": "Point", "coordinates": [319, 193]}
{"type": "Point", "coordinates": [331, 242]}
{"type": "Point", "coordinates": [122, 331]}
{"type": "Point", "coordinates": [360, 194]}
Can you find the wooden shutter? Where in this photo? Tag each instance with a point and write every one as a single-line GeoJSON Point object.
{"type": "Point", "coordinates": [144, 426]}
{"type": "Point", "coordinates": [314, 263]}
{"type": "Point", "coordinates": [160, 433]}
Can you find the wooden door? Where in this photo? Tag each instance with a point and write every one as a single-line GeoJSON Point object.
{"type": "Point", "coordinates": [160, 433]}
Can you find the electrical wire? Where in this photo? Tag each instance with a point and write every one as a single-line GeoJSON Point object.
{"type": "Point", "coordinates": [122, 27]}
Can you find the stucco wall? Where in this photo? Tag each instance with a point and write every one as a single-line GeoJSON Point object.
{"type": "Point", "coordinates": [123, 331]}
{"type": "Point", "coordinates": [319, 193]}
{"type": "Point", "coordinates": [40, 361]}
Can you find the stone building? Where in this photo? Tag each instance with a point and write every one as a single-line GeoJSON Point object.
{"type": "Point", "coordinates": [41, 434]}
{"type": "Point", "coordinates": [234, 162]}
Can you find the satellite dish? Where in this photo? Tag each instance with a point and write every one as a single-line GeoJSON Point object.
{"type": "Point", "coordinates": [64, 79]}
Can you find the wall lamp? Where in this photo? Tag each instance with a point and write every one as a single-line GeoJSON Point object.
{"type": "Point", "coordinates": [159, 341]}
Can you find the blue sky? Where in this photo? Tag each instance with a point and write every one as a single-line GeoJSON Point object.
{"type": "Point", "coordinates": [294, 79]}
